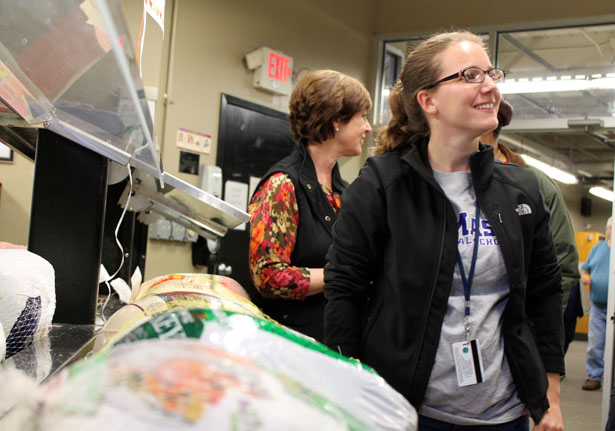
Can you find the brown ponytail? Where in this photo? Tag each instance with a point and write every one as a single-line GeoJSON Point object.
{"type": "Point", "coordinates": [390, 136]}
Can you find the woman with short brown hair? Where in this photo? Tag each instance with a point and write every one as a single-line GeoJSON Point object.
{"type": "Point", "coordinates": [298, 199]}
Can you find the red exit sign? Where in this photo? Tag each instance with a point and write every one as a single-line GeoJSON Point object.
{"type": "Point", "coordinates": [277, 67]}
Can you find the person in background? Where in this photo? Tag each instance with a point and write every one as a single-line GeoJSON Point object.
{"type": "Point", "coordinates": [595, 275]}
{"type": "Point", "coordinates": [572, 312]}
{"type": "Point", "coordinates": [559, 222]}
{"type": "Point", "coordinates": [442, 273]}
{"type": "Point", "coordinates": [298, 199]}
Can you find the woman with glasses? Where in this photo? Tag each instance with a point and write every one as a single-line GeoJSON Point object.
{"type": "Point", "coordinates": [442, 273]}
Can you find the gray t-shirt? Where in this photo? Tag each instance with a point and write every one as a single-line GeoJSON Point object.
{"type": "Point", "coordinates": [495, 400]}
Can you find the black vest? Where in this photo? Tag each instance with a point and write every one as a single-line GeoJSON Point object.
{"type": "Point", "coordinates": [316, 217]}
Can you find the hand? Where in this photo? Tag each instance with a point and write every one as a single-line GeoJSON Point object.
{"type": "Point", "coordinates": [552, 419]}
{"type": "Point", "coordinates": [317, 281]}
{"type": "Point", "coordinates": [585, 278]}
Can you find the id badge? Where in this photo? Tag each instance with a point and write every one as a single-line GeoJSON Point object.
{"type": "Point", "coordinates": [468, 362]}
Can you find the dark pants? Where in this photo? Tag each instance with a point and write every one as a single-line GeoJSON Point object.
{"type": "Point", "coordinates": [573, 310]}
{"type": "Point", "coordinates": [428, 424]}
{"type": "Point", "coordinates": [610, 423]}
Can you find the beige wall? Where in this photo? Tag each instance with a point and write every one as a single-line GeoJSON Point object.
{"type": "Point", "coordinates": [395, 16]}
{"type": "Point", "coordinates": [210, 43]}
{"type": "Point", "coordinates": [16, 199]}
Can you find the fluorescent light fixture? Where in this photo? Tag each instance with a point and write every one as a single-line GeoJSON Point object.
{"type": "Point", "coordinates": [555, 173]}
{"type": "Point", "coordinates": [603, 193]}
{"type": "Point", "coordinates": [565, 83]}
{"type": "Point", "coordinates": [585, 122]}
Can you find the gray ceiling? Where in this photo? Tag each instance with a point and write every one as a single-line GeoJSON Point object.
{"type": "Point", "coordinates": [572, 130]}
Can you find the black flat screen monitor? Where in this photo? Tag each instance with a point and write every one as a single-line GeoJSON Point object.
{"type": "Point", "coordinates": [251, 139]}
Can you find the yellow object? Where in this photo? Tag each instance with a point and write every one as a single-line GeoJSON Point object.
{"type": "Point", "coordinates": [585, 243]}
{"type": "Point", "coordinates": [171, 293]}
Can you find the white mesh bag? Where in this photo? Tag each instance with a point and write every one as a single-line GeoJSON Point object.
{"type": "Point", "coordinates": [27, 298]}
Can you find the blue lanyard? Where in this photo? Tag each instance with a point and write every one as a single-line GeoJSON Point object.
{"type": "Point", "coordinates": [467, 283]}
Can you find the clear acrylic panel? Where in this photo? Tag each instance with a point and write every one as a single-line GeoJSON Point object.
{"type": "Point", "coordinates": [70, 66]}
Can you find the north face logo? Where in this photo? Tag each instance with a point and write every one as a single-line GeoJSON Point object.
{"type": "Point", "coordinates": [523, 209]}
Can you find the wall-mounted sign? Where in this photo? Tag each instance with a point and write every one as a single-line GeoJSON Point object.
{"type": "Point", "coordinates": [193, 141]}
{"type": "Point", "coordinates": [6, 154]}
{"type": "Point", "coordinates": [272, 70]}
{"type": "Point", "coordinates": [155, 8]}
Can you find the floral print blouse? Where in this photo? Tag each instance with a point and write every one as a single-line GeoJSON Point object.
{"type": "Point", "coordinates": [273, 232]}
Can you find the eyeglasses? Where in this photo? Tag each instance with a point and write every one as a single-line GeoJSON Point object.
{"type": "Point", "coordinates": [473, 75]}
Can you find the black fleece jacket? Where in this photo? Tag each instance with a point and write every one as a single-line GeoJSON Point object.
{"type": "Point", "coordinates": [390, 270]}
